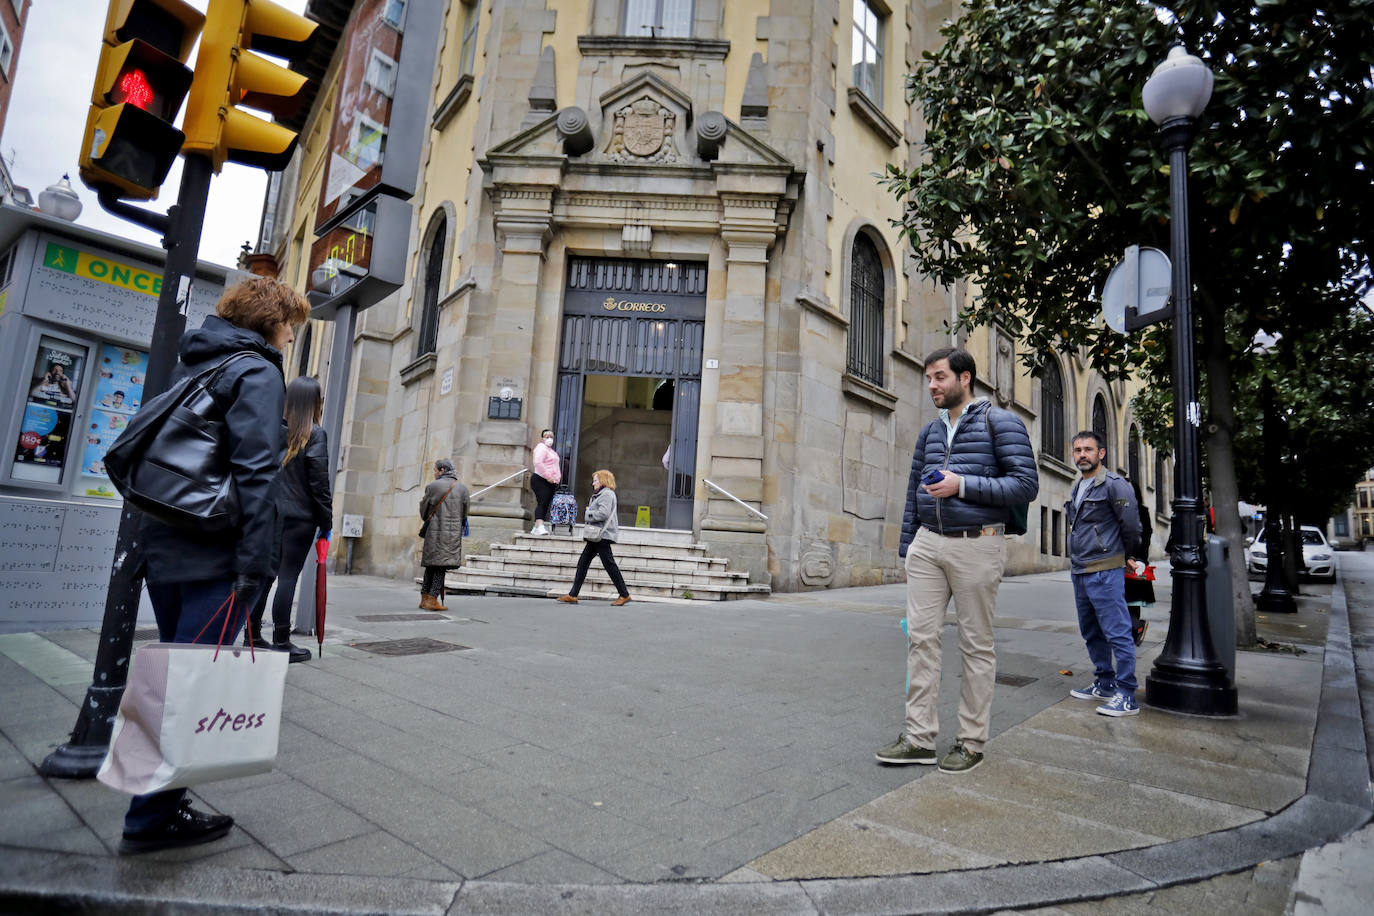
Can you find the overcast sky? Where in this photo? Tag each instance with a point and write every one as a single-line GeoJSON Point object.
{"type": "Point", "coordinates": [47, 114]}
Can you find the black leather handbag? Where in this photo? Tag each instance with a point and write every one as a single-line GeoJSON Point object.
{"type": "Point", "coordinates": [171, 461]}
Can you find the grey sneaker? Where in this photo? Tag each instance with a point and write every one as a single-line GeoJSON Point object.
{"type": "Point", "coordinates": [960, 760]}
{"type": "Point", "coordinates": [1094, 691]}
{"type": "Point", "coordinates": [903, 751]}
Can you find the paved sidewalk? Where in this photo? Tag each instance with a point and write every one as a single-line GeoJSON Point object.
{"type": "Point", "coordinates": [669, 757]}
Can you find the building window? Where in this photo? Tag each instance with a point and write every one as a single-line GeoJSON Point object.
{"type": "Point", "coordinates": [1159, 483]}
{"type": "Point", "coordinates": [6, 52]}
{"type": "Point", "coordinates": [1044, 530]}
{"type": "Point", "coordinates": [1052, 410]}
{"type": "Point", "coordinates": [1133, 456]}
{"type": "Point", "coordinates": [303, 345]}
{"type": "Point", "coordinates": [658, 18]}
{"type": "Point", "coordinates": [1342, 526]}
{"type": "Point", "coordinates": [368, 143]}
{"type": "Point", "coordinates": [1056, 523]}
{"type": "Point", "coordinates": [467, 52]}
{"type": "Point", "coordinates": [381, 73]}
{"type": "Point", "coordinates": [394, 14]}
{"type": "Point", "coordinates": [866, 311]}
{"type": "Point", "coordinates": [868, 50]}
{"type": "Point", "coordinates": [1100, 421]}
{"type": "Point", "coordinates": [434, 274]}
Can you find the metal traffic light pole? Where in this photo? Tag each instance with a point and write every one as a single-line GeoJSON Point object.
{"type": "Point", "coordinates": [81, 756]}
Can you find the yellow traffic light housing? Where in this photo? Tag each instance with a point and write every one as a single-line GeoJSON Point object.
{"type": "Point", "coordinates": [228, 75]}
{"type": "Point", "coordinates": [130, 141]}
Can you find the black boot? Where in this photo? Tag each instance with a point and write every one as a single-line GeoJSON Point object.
{"type": "Point", "coordinates": [281, 642]}
{"type": "Point", "coordinates": [252, 636]}
{"type": "Point", "coordinates": [187, 827]}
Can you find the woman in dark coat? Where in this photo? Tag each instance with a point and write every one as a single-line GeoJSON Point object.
{"type": "Point", "coordinates": [306, 506]}
{"type": "Point", "coordinates": [191, 573]}
{"type": "Point", "coordinates": [445, 505]}
{"type": "Point", "coordinates": [1140, 592]}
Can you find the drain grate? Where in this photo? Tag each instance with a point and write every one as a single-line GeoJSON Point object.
{"type": "Point", "coordinates": [419, 645]}
{"type": "Point", "coordinates": [145, 634]}
{"type": "Point", "coordinates": [398, 618]}
{"type": "Point", "coordinates": [1016, 680]}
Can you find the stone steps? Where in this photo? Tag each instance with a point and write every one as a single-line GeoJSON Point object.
{"type": "Point", "coordinates": [655, 563]}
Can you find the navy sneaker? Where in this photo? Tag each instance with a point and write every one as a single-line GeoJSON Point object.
{"type": "Point", "coordinates": [1094, 691]}
{"type": "Point", "coordinates": [1123, 704]}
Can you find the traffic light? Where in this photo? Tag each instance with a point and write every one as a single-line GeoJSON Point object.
{"type": "Point", "coordinates": [228, 76]}
{"type": "Point", "coordinates": [130, 141]}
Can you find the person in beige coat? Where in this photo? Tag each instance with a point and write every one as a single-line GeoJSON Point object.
{"type": "Point", "coordinates": [445, 505]}
{"type": "Point", "coordinates": [601, 511]}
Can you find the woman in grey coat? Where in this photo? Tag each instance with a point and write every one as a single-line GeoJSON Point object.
{"type": "Point", "coordinates": [445, 506]}
{"type": "Point", "coordinates": [601, 511]}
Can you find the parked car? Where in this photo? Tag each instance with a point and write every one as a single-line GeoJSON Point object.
{"type": "Point", "coordinates": [1317, 553]}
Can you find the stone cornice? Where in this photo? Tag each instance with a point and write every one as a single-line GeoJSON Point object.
{"type": "Point", "coordinates": [872, 115]}
{"type": "Point", "coordinates": [908, 357]}
{"type": "Point", "coordinates": [863, 390]}
{"type": "Point", "coordinates": [420, 368]}
{"type": "Point", "coordinates": [653, 48]}
{"type": "Point", "coordinates": [821, 307]}
{"type": "Point", "coordinates": [453, 102]}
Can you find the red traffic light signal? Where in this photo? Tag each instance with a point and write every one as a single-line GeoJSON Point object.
{"type": "Point", "coordinates": [130, 140]}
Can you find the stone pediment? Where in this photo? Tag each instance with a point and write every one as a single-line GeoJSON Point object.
{"type": "Point", "coordinates": [643, 121]}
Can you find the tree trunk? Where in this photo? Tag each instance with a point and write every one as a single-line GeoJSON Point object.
{"type": "Point", "coordinates": [1221, 465]}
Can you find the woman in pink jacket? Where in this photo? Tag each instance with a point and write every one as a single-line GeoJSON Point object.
{"type": "Point", "coordinates": [545, 476]}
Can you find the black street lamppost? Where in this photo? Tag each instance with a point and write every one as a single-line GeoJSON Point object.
{"type": "Point", "coordinates": [1187, 677]}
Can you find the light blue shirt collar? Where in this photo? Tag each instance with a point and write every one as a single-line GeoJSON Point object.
{"type": "Point", "coordinates": [951, 427]}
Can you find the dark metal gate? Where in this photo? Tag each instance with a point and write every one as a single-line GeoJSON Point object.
{"type": "Point", "coordinates": [635, 318]}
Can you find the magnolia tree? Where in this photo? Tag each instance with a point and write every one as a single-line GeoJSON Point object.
{"type": "Point", "coordinates": [1039, 166]}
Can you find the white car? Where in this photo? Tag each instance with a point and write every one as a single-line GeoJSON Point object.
{"type": "Point", "coordinates": [1319, 556]}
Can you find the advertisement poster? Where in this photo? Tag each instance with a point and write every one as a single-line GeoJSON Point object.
{"type": "Point", "coordinates": [118, 393]}
{"type": "Point", "coordinates": [45, 432]}
{"type": "Point", "coordinates": [119, 378]}
{"type": "Point", "coordinates": [57, 373]}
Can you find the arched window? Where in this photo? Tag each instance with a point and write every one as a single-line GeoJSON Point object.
{"type": "Point", "coordinates": [1100, 421]}
{"type": "Point", "coordinates": [866, 311]}
{"type": "Point", "coordinates": [1052, 410]}
{"type": "Point", "coordinates": [1133, 456]}
{"type": "Point", "coordinates": [1160, 481]}
{"type": "Point", "coordinates": [434, 273]}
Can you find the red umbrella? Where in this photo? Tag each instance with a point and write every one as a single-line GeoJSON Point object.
{"type": "Point", "coordinates": [321, 554]}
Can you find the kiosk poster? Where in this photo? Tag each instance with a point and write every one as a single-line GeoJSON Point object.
{"type": "Point", "coordinates": [46, 430]}
{"type": "Point", "coordinates": [118, 393]}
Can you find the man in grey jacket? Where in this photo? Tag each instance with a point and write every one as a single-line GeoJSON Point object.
{"type": "Point", "coordinates": [1104, 523]}
{"type": "Point", "coordinates": [972, 467]}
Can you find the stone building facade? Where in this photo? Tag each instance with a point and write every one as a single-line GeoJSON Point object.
{"type": "Point", "coordinates": [654, 226]}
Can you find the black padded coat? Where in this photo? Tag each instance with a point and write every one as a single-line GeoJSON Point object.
{"type": "Point", "coordinates": [991, 451]}
{"type": "Point", "coordinates": [252, 394]}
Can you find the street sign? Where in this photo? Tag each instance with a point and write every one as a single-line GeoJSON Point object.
{"type": "Point", "coordinates": [1137, 290]}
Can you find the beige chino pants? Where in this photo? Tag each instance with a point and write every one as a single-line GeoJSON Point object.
{"type": "Point", "coordinates": [970, 570]}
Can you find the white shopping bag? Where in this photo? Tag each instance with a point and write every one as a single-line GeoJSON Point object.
{"type": "Point", "coordinates": [188, 717]}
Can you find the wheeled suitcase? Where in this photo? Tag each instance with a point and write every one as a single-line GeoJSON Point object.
{"type": "Point", "coordinates": [563, 511]}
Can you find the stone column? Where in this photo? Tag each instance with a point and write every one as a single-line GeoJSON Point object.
{"type": "Point", "coordinates": [748, 229]}
{"type": "Point", "coordinates": [524, 222]}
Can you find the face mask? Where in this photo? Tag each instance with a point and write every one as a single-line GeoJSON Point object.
{"type": "Point", "coordinates": [549, 441]}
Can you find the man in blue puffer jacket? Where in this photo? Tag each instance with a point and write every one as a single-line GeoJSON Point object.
{"type": "Point", "coordinates": [1104, 519]}
{"type": "Point", "coordinates": [953, 539]}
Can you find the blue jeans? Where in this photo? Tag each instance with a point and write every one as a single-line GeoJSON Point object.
{"type": "Point", "coordinates": [1105, 624]}
{"type": "Point", "coordinates": [183, 609]}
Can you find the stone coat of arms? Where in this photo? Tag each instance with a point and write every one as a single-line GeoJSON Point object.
{"type": "Point", "coordinates": [643, 132]}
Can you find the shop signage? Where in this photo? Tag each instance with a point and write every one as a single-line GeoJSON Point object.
{"type": "Point", "coordinates": [624, 305]}
{"type": "Point", "coordinates": [103, 270]}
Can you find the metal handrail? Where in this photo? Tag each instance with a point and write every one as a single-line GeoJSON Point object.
{"type": "Point", "coordinates": [498, 483]}
{"type": "Point", "coordinates": [719, 489]}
